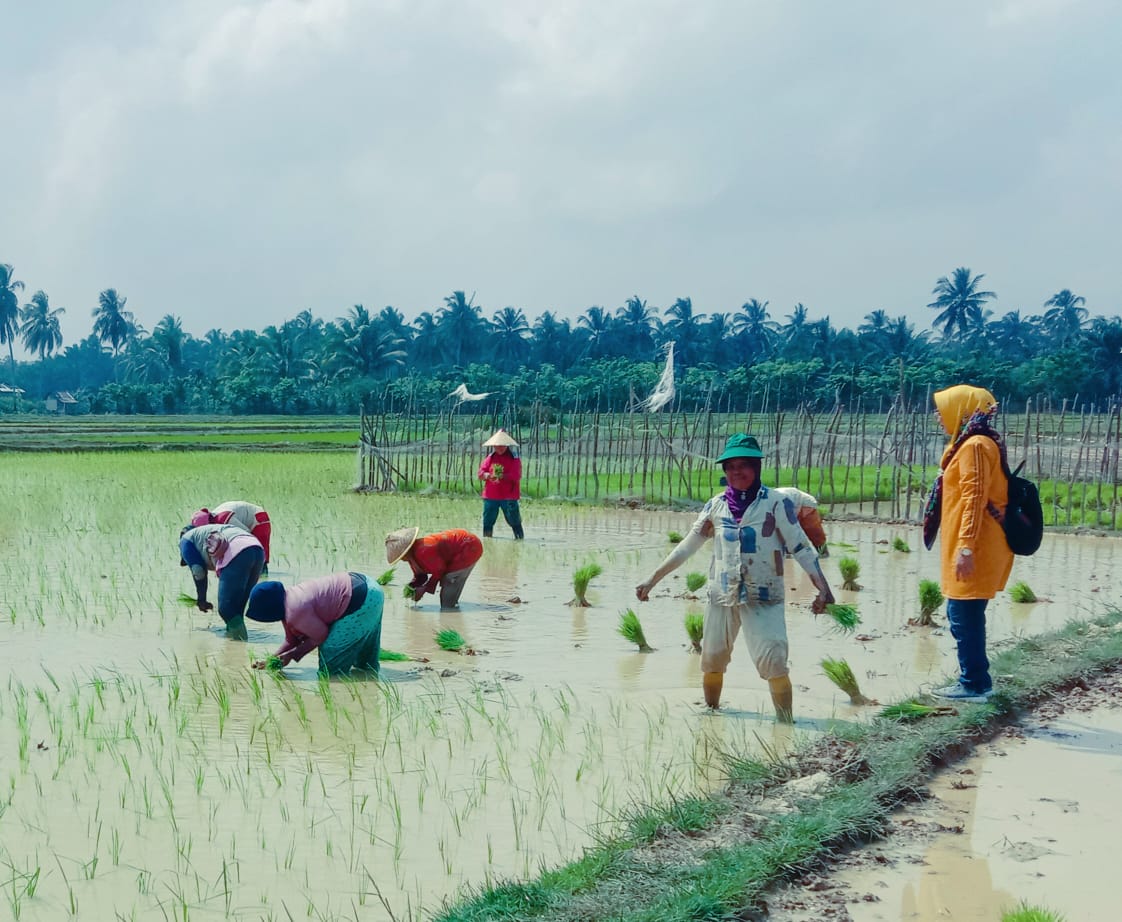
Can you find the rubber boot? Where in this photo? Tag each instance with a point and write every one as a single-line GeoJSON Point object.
{"type": "Point", "coordinates": [782, 696]}
{"type": "Point", "coordinates": [711, 684]}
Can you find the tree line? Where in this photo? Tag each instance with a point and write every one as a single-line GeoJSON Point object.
{"type": "Point", "coordinates": [602, 360]}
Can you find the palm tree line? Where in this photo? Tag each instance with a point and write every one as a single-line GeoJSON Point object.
{"type": "Point", "coordinates": [308, 364]}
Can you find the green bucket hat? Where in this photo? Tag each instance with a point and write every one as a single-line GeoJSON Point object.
{"type": "Point", "coordinates": [740, 446]}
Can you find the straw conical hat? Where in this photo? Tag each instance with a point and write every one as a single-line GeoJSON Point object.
{"type": "Point", "coordinates": [398, 543]}
{"type": "Point", "coordinates": [501, 437]}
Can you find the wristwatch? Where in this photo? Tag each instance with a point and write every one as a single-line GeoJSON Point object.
{"type": "Point", "coordinates": [965, 551]}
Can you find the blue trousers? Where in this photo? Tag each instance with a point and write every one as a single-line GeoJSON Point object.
{"type": "Point", "coordinates": [511, 513]}
{"type": "Point", "coordinates": [238, 577]}
{"type": "Point", "coordinates": [967, 620]}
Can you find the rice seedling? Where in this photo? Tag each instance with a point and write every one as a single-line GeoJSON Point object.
{"type": "Point", "coordinates": [850, 569]}
{"type": "Point", "coordinates": [186, 599]}
{"type": "Point", "coordinates": [674, 537]}
{"type": "Point", "coordinates": [930, 598]}
{"type": "Point", "coordinates": [839, 672]}
{"type": "Point", "coordinates": [581, 578]}
{"type": "Point", "coordinates": [1024, 912]}
{"type": "Point", "coordinates": [845, 616]}
{"type": "Point", "coordinates": [450, 640]}
{"type": "Point", "coordinates": [695, 624]}
{"type": "Point", "coordinates": [407, 591]}
{"type": "Point", "coordinates": [386, 578]}
{"type": "Point", "coordinates": [631, 629]}
{"type": "Point", "coordinates": [899, 544]}
{"type": "Point", "coordinates": [391, 656]}
{"type": "Point", "coordinates": [914, 710]}
{"type": "Point", "coordinates": [1022, 592]}
{"type": "Point", "coordinates": [695, 581]}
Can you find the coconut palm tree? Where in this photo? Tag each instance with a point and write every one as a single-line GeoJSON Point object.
{"type": "Point", "coordinates": [460, 326]}
{"type": "Point", "coordinates": [113, 325]}
{"type": "Point", "coordinates": [634, 326]}
{"type": "Point", "coordinates": [597, 325]}
{"type": "Point", "coordinates": [683, 328]}
{"type": "Point", "coordinates": [755, 329]}
{"type": "Point", "coordinates": [1014, 337]}
{"type": "Point", "coordinates": [1066, 316]}
{"type": "Point", "coordinates": [509, 333]}
{"type": "Point", "coordinates": [169, 339]}
{"type": "Point", "coordinates": [39, 327]}
{"type": "Point", "coordinates": [959, 303]}
{"type": "Point", "coordinates": [1105, 341]}
{"type": "Point", "coordinates": [9, 310]}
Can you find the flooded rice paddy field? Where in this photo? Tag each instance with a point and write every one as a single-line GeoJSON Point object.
{"type": "Point", "coordinates": [149, 773]}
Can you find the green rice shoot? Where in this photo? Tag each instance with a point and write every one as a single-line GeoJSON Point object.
{"type": "Point", "coordinates": [407, 591]}
{"type": "Point", "coordinates": [631, 629]}
{"type": "Point", "coordinates": [930, 599]}
{"type": "Point", "coordinates": [850, 569]}
{"type": "Point", "coordinates": [909, 710]}
{"type": "Point", "coordinates": [839, 672]}
{"type": "Point", "coordinates": [1023, 912]}
{"type": "Point", "coordinates": [695, 625]}
{"type": "Point", "coordinates": [187, 599]}
{"type": "Point", "coordinates": [845, 616]}
{"type": "Point", "coordinates": [392, 656]}
{"type": "Point", "coordinates": [581, 579]}
{"type": "Point", "coordinates": [695, 581]}
{"type": "Point", "coordinates": [386, 578]}
{"type": "Point", "coordinates": [899, 544]}
{"type": "Point", "coordinates": [674, 537]}
{"type": "Point", "coordinates": [1022, 592]}
{"type": "Point", "coordinates": [450, 640]}
{"type": "Point", "coordinates": [273, 663]}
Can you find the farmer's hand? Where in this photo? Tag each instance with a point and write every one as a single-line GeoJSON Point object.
{"type": "Point", "coordinates": [821, 601]}
{"type": "Point", "coordinates": [258, 664]}
{"type": "Point", "coordinates": [963, 565]}
{"type": "Point", "coordinates": [643, 591]}
{"type": "Point", "coordinates": [205, 606]}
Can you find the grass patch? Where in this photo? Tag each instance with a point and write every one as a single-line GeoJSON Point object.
{"type": "Point", "coordinates": [872, 769]}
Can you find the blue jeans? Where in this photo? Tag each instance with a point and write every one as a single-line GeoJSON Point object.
{"type": "Point", "coordinates": [967, 619]}
{"type": "Point", "coordinates": [511, 513]}
{"type": "Point", "coordinates": [238, 577]}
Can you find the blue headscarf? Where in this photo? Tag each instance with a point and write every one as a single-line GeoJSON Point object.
{"type": "Point", "coordinates": [266, 602]}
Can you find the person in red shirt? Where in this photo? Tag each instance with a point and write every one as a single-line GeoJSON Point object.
{"type": "Point", "coordinates": [501, 473]}
{"type": "Point", "coordinates": [444, 559]}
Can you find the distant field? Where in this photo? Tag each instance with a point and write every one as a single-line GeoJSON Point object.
{"type": "Point", "coordinates": [259, 433]}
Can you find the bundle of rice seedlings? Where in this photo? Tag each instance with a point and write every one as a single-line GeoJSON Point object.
{"type": "Point", "coordinates": [273, 663]}
{"type": "Point", "coordinates": [1022, 592]}
{"type": "Point", "coordinates": [695, 581]}
{"type": "Point", "coordinates": [845, 617]}
{"type": "Point", "coordinates": [695, 624]}
{"type": "Point", "coordinates": [386, 578]}
{"type": "Point", "coordinates": [187, 599]}
{"type": "Point", "coordinates": [899, 544]}
{"type": "Point", "coordinates": [674, 536]}
{"type": "Point", "coordinates": [390, 656]}
{"type": "Point", "coordinates": [930, 598]}
{"type": "Point", "coordinates": [407, 591]}
{"type": "Point", "coordinates": [849, 569]}
{"type": "Point", "coordinates": [838, 672]}
{"type": "Point", "coordinates": [581, 579]}
{"type": "Point", "coordinates": [913, 710]}
{"type": "Point", "coordinates": [1025, 912]}
{"type": "Point", "coordinates": [631, 629]}
{"type": "Point", "coordinates": [450, 640]}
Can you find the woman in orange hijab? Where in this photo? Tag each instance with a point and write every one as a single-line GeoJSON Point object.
{"type": "Point", "coordinates": [968, 501]}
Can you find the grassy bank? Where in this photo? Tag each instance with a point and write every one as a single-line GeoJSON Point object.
{"type": "Point", "coordinates": [712, 858]}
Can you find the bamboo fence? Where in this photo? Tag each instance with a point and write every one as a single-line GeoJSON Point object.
{"type": "Point", "coordinates": [872, 463]}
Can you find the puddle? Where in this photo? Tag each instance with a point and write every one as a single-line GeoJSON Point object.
{"type": "Point", "coordinates": [176, 780]}
{"type": "Point", "coordinates": [1021, 820]}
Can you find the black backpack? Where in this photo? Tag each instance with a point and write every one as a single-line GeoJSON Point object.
{"type": "Point", "coordinates": [1024, 518]}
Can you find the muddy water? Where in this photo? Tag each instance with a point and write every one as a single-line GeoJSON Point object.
{"type": "Point", "coordinates": [152, 772]}
{"type": "Point", "coordinates": [1022, 820]}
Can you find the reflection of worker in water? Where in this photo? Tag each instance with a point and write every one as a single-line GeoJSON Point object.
{"type": "Point", "coordinates": [341, 614]}
{"type": "Point", "coordinates": [752, 525]}
{"type": "Point", "coordinates": [444, 559]}
{"type": "Point", "coordinates": [235, 556]}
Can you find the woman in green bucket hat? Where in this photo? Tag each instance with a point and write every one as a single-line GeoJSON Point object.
{"type": "Point", "coordinates": [751, 525]}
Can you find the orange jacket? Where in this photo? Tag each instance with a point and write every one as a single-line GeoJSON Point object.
{"type": "Point", "coordinates": [972, 479]}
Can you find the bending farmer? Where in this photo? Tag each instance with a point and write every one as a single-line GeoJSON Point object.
{"type": "Point", "coordinates": [750, 525]}
{"type": "Point", "coordinates": [252, 518]}
{"type": "Point", "coordinates": [232, 553]}
{"type": "Point", "coordinates": [444, 559]}
{"type": "Point", "coordinates": [340, 614]}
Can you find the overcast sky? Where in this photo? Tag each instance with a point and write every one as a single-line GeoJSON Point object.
{"type": "Point", "coordinates": [236, 163]}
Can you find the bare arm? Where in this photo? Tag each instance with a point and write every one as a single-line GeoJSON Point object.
{"type": "Point", "coordinates": [685, 549]}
